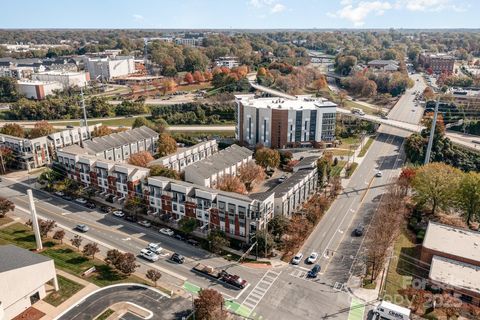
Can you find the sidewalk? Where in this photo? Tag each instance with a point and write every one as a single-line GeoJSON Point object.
{"type": "Point", "coordinates": [355, 158]}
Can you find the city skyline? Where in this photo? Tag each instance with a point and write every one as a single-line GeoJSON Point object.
{"type": "Point", "coordinates": [248, 14]}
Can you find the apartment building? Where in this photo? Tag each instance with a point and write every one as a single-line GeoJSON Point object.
{"type": "Point", "coordinates": [111, 67]}
{"type": "Point", "coordinates": [36, 89]}
{"type": "Point", "coordinates": [65, 78]}
{"type": "Point", "coordinates": [229, 62]}
{"type": "Point", "coordinates": [439, 62]}
{"type": "Point", "coordinates": [226, 162]}
{"type": "Point", "coordinates": [187, 156]}
{"type": "Point", "coordinates": [384, 65]}
{"type": "Point", "coordinates": [281, 123]}
{"type": "Point", "coordinates": [239, 216]}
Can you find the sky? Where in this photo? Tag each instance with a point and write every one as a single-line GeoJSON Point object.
{"type": "Point", "coordinates": [241, 14]}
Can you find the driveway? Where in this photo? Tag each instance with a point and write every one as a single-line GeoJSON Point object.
{"type": "Point", "coordinates": [146, 297]}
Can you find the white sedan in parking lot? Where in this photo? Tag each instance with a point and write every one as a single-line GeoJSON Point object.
{"type": "Point", "coordinates": [298, 258]}
{"type": "Point", "coordinates": [313, 257]}
{"type": "Point", "coordinates": [166, 231]}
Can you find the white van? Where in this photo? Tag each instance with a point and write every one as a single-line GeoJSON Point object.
{"type": "Point", "coordinates": [390, 311]}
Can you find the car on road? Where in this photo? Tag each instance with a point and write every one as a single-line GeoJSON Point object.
{"type": "Point", "coordinates": [313, 273]}
{"type": "Point", "coordinates": [149, 255]}
{"type": "Point", "coordinates": [59, 193]}
{"type": "Point", "coordinates": [155, 247]}
{"type": "Point", "coordinates": [312, 258]}
{"type": "Point", "coordinates": [105, 209]}
{"type": "Point", "coordinates": [166, 231]}
{"type": "Point", "coordinates": [384, 116]}
{"type": "Point", "coordinates": [379, 174]}
{"type": "Point", "coordinates": [81, 200]}
{"type": "Point", "coordinates": [90, 205]}
{"type": "Point", "coordinates": [298, 258]}
{"type": "Point", "coordinates": [118, 213]}
{"type": "Point", "coordinates": [145, 223]}
{"type": "Point", "coordinates": [193, 242]}
{"type": "Point", "coordinates": [67, 197]}
{"type": "Point", "coordinates": [359, 230]}
{"type": "Point", "coordinates": [179, 237]}
{"type": "Point", "coordinates": [177, 258]}
{"type": "Point", "coordinates": [282, 178]}
{"type": "Point", "coordinates": [82, 227]}
{"type": "Point", "coordinates": [131, 218]}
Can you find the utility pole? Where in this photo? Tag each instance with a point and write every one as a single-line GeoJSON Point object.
{"type": "Point", "coordinates": [85, 123]}
{"type": "Point", "coordinates": [432, 133]}
{"type": "Point", "coordinates": [35, 226]}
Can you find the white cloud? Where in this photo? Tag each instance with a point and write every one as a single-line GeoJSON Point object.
{"type": "Point", "coordinates": [261, 3]}
{"type": "Point", "coordinates": [357, 13]}
{"type": "Point", "coordinates": [428, 5]}
{"type": "Point", "coordinates": [138, 17]}
{"type": "Point", "coordinates": [278, 7]}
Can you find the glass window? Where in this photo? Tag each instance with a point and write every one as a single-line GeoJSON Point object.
{"type": "Point", "coordinates": [231, 208]}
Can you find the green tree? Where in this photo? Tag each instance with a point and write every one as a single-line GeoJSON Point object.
{"type": "Point", "coordinates": [217, 240]}
{"type": "Point", "coordinates": [159, 170]}
{"type": "Point", "coordinates": [469, 196]}
{"type": "Point", "coordinates": [264, 241]}
{"type": "Point", "coordinates": [8, 89]}
{"type": "Point", "coordinates": [13, 129]}
{"type": "Point", "coordinates": [142, 121]}
{"type": "Point", "coordinates": [278, 226]}
{"type": "Point", "coordinates": [98, 107]}
{"type": "Point", "coordinates": [187, 225]}
{"type": "Point", "coordinates": [436, 185]}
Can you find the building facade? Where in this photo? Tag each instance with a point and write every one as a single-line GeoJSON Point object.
{"type": "Point", "coordinates": [282, 123]}
{"type": "Point", "coordinates": [108, 68]}
{"type": "Point", "coordinates": [439, 63]}
{"type": "Point", "coordinates": [66, 78]}
{"type": "Point", "coordinates": [36, 89]}
{"type": "Point", "coordinates": [229, 62]}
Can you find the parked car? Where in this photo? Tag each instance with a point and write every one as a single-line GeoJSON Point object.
{"type": "Point", "coordinates": [384, 116]}
{"type": "Point", "coordinates": [312, 258]}
{"type": "Point", "coordinates": [179, 237]}
{"type": "Point", "coordinates": [81, 200]}
{"type": "Point", "coordinates": [192, 242]}
{"type": "Point", "coordinates": [298, 258]}
{"type": "Point", "coordinates": [155, 247]}
{"type": "Point", "coordinates": [145, 223]}
{"type": "Point", "coordinates": [82, 227]}
{"type": "Point", "coordinates": [90, 205]}
{"type": "Point", "coordinates": [109, 199]}
{"type": "Point", "coordinates": [314, 272]}
{"type": "Point", "coordinates": [359, 230]}
{"type": "Point", "coordinates": [131, 218]}
{"type": "Point", "coordinates": [149, 255]}
{"type": "Point", "coordinates": [106, 209]}
{"type": "Point", "coordinates": [378, 174]}
{"type": "Point", "coordinates": [59, 193]}
{"type": "Point", "coordinates": [282, 178]}
{"type": "Point", "coordinates": [166, 231]}
{"type": "Point", "coordinates": [177, 258]}
{"type": "Point", "coordinates": [118, 213]}
{"type": "Point", "coordinates": [67, 197]}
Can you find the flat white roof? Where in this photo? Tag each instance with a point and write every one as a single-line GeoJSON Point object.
{"type": "Point", "coordinates": [394, 307]}
{"type": "Point", "coordinates": [451, 240]}
{"type": "Point", "coordinates": [455, 273]}
{"type": "Point", "coordinates": [36, 82]}
{"type": "Point", "coordinates": [303, 102]}
{"type": "Point", "coordinates": [60, 72]}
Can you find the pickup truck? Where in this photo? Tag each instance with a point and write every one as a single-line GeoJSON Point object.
{"type": "Point", "coordinates": [221, 275]}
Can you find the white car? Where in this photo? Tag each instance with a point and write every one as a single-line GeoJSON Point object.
{"type": "Point", "coordinates": [298, 258]}
{"type": "Point", "coordinates": [145, 223]}
{"type": "Point", "coordinates": [81, 200]}
{"type": "Point", "coordinates": [378, 174]}
{"type": "Point", "coordinates": [82, 227]}
{"type": "Point", "coordinates": [118, 213]}
{"type": "Point", "coordinates": [155, 247]}
{"type": "Point", "coordinates": [313, 257]}
{"type": "Point", "coordinates": [149, 255]}
{"type": "Point", "coordinates": [282, 178]}
{"type": "Point", "coordinates": [166, 231]}
{"type": "Point", "coordinates": [59, 193]}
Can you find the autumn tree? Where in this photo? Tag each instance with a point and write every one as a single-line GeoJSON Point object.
{"type": "Point", "coordinates": [267, 158]}
{"type": "Point", "coordinates": [140, 159]}
{"type": "Point", "coordinates": [469, 195]}
{"type": "Point", "coordinates": [40, 129]}
{"type": "Point", "coordinates": [46, 226]}
{"type": "Point", "coordinates": [90, 249]}
{"type": "Point", "coordinates": [369, 88]}
{"type": "Point", "coordinates": [435, 184]}
{"type": "Point", "coordinates": [198, 76]}
{"type": "Point", "coordinates": [5, 206]}
{"type": "Point", "coordinates": [261, 72]}
{"type": "Point", "coordinates": [231, 183]}
{"type": "Point", "coordinates": [188, 78]}
{"type": "Point", "coordinates": [153, 275]}
{"type": "Point", "coordinates": [250, 173]}
{"type": "Point", "coordinates": [113, 256]}
{"type": "Point", "coordinates": [127, 264]}
{"type": "Point", "coordinates": [59, 235]}
{"type": "Point", "coordinates": [13, 129]}
{"type": "Point", "coordinates": [100, 131]}
{"type": "Point", "coordinates": [166, 145]}
{"type": "Point", "coordinates": [405, 179]}
{"type": "Point", "coordinates": [159, 170]}
{"type": "Point", "coordinates": [168, 85]}
{"type": "Point", "coordinates": [320, 83]}
{"type": "Point", "coordinates": [428, 94]}
{"type": "Point", "coordinates": [76, 241]}
{"type": "Point", "coordinates": [209, 305]}
{"type": "Point", "coordinates": [208, 76]}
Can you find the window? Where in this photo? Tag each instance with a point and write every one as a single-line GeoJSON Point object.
{"type": "Point", "coordinates": [221, 206]}
{"type": "Point", "coordinates": [249, 128]}
{"type": "Point", "coordinates": [175, 207]}
{"type": "Point", "coordinates": [241, 213]}
{"type": "Point", "coordinates": [264, 129]}
{"type": "Point", "coordinates": [231, 208]}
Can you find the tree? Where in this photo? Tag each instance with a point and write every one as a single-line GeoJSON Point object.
{"type": "Point", "coordinates": [469, 195]}
{"type": "Point", "coordinates": [198, 76]}
{"type": "Point", "coordinates": [406, 178]}
{"type": "Point", "coordinates": [127, 264]}
{"type": "Point", "coordinates": [435, 184]}
{"type": "Point", "coordinates": [264, 241]}
{"type": "Point", "coordinates": [8, 89]}
{"type": "Point", "coordinates": [251, 173]}
{"type": "Point", "coordinates": [141, 159]}
{"type": "Point", "coordinates": [7, 159]}
{"type": "Point", "coordinates": [320, 83]}
{"type": "Point", "coordinates": [187, 225]}
{"type": "Point", "coordinates": [46, 226]}
{"type": "Point", "coordinates": [113, 256]}
{"type": "Point", "coordinates": [428, 94]}
{"type": "Point", "coordinates": [135, 205]}
{"type": "Point", "coordinates": [41, 129]}
{"type": "Point", "coordinates": [76, 241]}
{"type": "Point", "coordinates": [159, 170]}
{"type": "Point", "coordinates": [278, 225]}
{"type": "Point", "coordinates": [5, 206]}
{"type": "Point", "coordinates": [90, 249]}
{"type": "Point", "coordinates": [166, 145]}
{"type": "Point", "coordinates": [267, 158]}
{"type": "Point", "coordinates": [13, 129]}
{"type": "Point", "coordinates": [142, 121]}
{"type": "Point", "coordinates": [217, 240]}
{"type": "Point", "coordinates": [188, 78]}
{"type": "Point", "coordinates": [209, 305]}
{"type": "Point", "coordinates": [369, 88]}
{"type": "Point", "coordinates": [153, 275]}
{"type": "Point", "coordinates": [59, 235]}
{"type": "Point", "coordinates": [100, 131]}
{"type": "Point", "coordinates": [231, 183]}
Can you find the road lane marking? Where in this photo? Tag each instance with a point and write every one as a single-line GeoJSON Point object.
{"type": "Point", "coordinates": [357, 310]}
{"type": "Point", "coordinates": [255, 296]}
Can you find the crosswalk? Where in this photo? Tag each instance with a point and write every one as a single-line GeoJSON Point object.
{"type": "Point", "coordinates": [257, 294]}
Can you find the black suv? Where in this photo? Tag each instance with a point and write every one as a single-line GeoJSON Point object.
{"type": "Point", "coordinates": [314, 272]}
{"type": "Point", "coordinates": [90, 205]}
{"type": "Point", "coordinates": [105, 209]}
{"type": "Point", "coordinates": [177, 258]}
{"type": "Point", "coordinates": [358, 232]}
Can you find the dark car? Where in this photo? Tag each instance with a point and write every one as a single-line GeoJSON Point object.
{"type": "Point", "coordinates": [90, 205]}
{"type": "Point", "coordinates": [67, 197]}
{"type": "Point", "coordinates": [358, 232]}
{"type": "Point", "coordinates": [192, 242]}
{"type": "Point", "coordinates": [177, 258]}
{"type": "Point", "coordinates": [106, 209]}
{"type": "Point", "coordinates": [131, 218]}
{"type": "Point", "coordinates": [179, 237]}
{"type": "Point", "coordinates": [109, 199]}
{"type": "Point", "coordinates": [314, 272]}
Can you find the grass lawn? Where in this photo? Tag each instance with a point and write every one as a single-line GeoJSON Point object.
{"type": "Point", "coordinates": [351, 169]}
{"type": "Point", "coordinates": [126, 122]}
{"type": "Point", "coordinates": [66, 258]}
{"type": "Point", "coordinates": [341, 153]}
{"type": "Point", "coordinates": [196, 134]}
{"type": "Point", "coordinates": [336, 170]}
{"type": "Point", "coordinates": [105, 314]}
{"type": "Point", "coordinates": [5, 220]}
{"type": "Point", "coordinates": [366, 146]}
{"type": "Point", "coordinates": [67, 289]}
{"type": "Point", "coordinates": [350, 141]}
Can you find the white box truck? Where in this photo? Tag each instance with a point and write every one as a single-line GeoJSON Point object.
{"type": "Point", "coordinates": [390, 311]}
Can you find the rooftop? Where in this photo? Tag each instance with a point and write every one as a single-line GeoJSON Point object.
{"type": "Point", "coordinates": [454, 241]}
{"type": "Point", "coordinates": [455, 273]}
{"type": "Point", "coordinates": [114, 140]}
{"type": "Point", "coordinates": [36, 82]}
{"type": "Point", "coordinates": [199, 146]}
{"type": "Point", "coordinates": [61, 72]}
{"type": "Point", "coordinates": [284, 187]}
{"type": "Point", "coordinates": [382, 62]}
{"type": "Point", "coordinates": [14, 257]}
{"type": "Point", "coordinates": [303, 102]}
